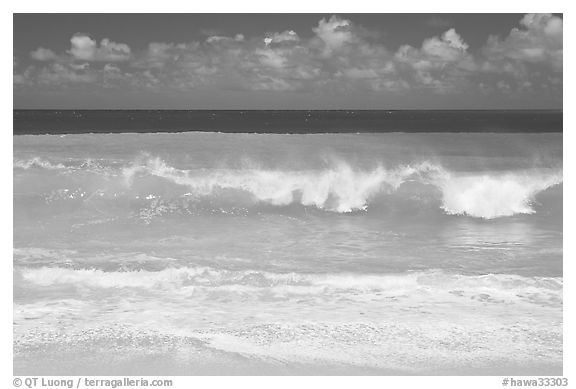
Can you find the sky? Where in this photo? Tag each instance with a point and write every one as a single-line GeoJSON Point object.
{"type": "Point", "coordinates": [288, 61]}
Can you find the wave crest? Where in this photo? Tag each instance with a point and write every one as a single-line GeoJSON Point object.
{"type": "Point", "coordinates": [339, 188]}
{"type": "Point", "coordinates": [342, 188]}
{"type": "Point", "coordinates": [490, 197]}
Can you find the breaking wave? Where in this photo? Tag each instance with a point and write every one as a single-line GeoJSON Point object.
{"type": "Point", "coordinates": [495, 196]}
{"type": "Point", "coordinates": [342, 188]}
{"type": "Point", "coordinates": [338, 187]}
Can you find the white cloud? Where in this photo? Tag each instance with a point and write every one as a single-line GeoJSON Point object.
{"type": "Point", "coordinates": [334, 33]}
{"type": "Point", "coordinates": [42, 54]}
{"type": "Point", "coordinates": [59, 74]}
{"type": "Point", "coordinates": [220, 38]}
{"type": "Point", "coordinates": [282, 37]}
{"type": "Point", "coordinates": [83, 47]}
{"type": "Point", "coordinates": [86, 49]}
{"type": "Point", "coordinates": [81, 66]}
{"type": "Point", "coordinates": [449, 47]}
{"type": "Point", "coordinates": [435, 51]}
{"type": "Point", "coordinates": [538, 42]}
{"type": "Point", "coordinates": [339, 56]}
{"type": "Point", "coordinates": [158, 55]}
{"type": "Point", "coordinates": [112, 51]}
{"type": "Point", "coordinates": [442, 63]}
{"type": "Point", "coordinates": [217, 38]}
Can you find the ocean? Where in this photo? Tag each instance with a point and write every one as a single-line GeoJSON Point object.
{"type": "Point", "coordinates": [345, 252]}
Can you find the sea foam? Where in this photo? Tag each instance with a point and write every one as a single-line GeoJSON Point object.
{"type": "Point", "coordinates": [337, 187]}
{"type": "Point", "coordinates": [494, 196]}
{"type": "Point", "coordinates": [173, 278]}
{"type": "Point", "coordinates": [342, 188]}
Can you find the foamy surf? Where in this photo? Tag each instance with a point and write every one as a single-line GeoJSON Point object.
{"type": "Point", "coordinates": [343, 188]}
{"type": "Point", "coordinates": [495, 196]}
{"type": "Point", "coordinates": [493, 287]}
{"type": "Point", "coordinates": [415, 323]}
{"type": "Point", "coordinates": [368, 254]}
{"type": "Point", "coordinates": [38, 163]}
{"type": "Point", "coordinates": [340, 188]}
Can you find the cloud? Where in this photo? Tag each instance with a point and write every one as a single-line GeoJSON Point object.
{"type": "Point", "coordinates": [159, 55]}
{"type": "Point", "coordinates": [449, 46]}
{"type": "Point", "coordinates": [64, 75]}
{"type": "Point", "coordinates": [282, 37]}
{"type": "Point", "coordinates": [85, 48]}
{"type": "Point", "coordinates": [220, 38]}
{"type": "Point", "coordinates": [538, 42]}
{"type": "Point", "coordinates": [528, 60]}
{"type": "Point", "coordinates": [42, 54]}
{"type": "Point", "coordinates": [334, 34]}
{"type": "Point", "coordinates": [435, 51]}
{"type": "Point", "coordinates": [59, 74]}
{"type": "Point", "coordinates": [339, 56]}
{"type": "Point", "coordinates": [442, 62]}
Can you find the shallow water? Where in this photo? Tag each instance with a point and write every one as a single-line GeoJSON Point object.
{"type": "Point", "coordinates": [209, 253]}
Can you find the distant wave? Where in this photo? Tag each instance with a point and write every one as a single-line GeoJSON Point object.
{"type": "Point", "coordinates": [37, 162]}
{"type": "Point", "coordinates": [338, 187]}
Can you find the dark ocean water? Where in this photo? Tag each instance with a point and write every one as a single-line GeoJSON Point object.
{"type": "Point", "coordinates": [292, 122]}
{"type": "Point", "coordinates": [326, 253]}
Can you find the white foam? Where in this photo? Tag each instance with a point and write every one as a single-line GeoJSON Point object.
{"type": "Point", "coordinates": [94, 278]}
{"type": "Point", "coordinates": [339, 188]}
{"type": "Point", "coordinates": [172, 279]}
{"type": "Point", "coordinates": [492, 196]}
{"type": "Point", "coordinates": [342, 188]}
{"type": "Point", "coordinates": [37, 162]}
